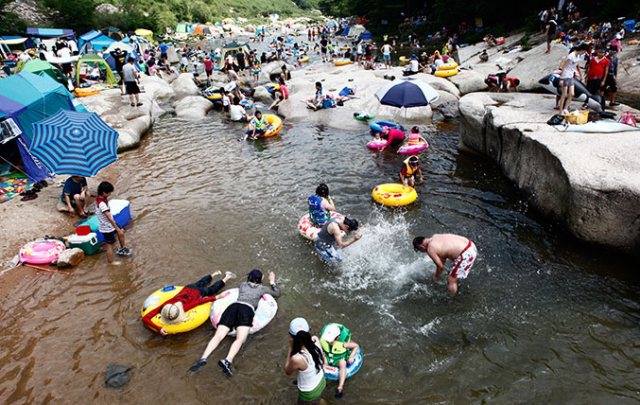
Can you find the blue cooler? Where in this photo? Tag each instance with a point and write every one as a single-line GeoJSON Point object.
{"type": "Point", "coordinates": [121, 211]}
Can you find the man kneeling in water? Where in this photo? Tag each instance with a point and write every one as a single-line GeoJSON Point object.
{"type": "Point", "coordinates": [441, 247]}
{"type": "Point", "coordinates": [330, 235]}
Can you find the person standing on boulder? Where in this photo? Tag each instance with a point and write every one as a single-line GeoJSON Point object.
{"type": "Point", "coordinates": [131, 81]}
{"type": "Point", "coordinates": [569, 66]}
{"type": "Point", "coordinates": [550, 33]}
{"type": "Point", "coordinates": [441, 247]}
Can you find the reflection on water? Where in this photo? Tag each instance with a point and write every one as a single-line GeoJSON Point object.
{"type": "Point", "coordinates": [541, 319]}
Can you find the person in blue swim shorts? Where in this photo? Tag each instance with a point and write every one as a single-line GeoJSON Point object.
{"type": "Point", "coordinates": [330, 235]}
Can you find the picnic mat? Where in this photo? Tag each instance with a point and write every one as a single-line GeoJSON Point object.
{"type": "Point", "coordinates": [12, 185]}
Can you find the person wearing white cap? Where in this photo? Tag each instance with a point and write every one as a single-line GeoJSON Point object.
{"type": "Point", "coordinates": [338, 350]}
{"type": "Point", "coordinates": [305, 357]}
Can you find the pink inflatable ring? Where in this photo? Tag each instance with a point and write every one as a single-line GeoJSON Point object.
{"type": "Point", "coordinates": [41, 251]}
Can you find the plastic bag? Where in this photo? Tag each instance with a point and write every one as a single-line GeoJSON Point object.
{"type": "Point", "coordinates": [628, 118]}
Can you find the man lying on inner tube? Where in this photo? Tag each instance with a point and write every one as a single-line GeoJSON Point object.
{"type": "Point", "coordinates": [172, 311]}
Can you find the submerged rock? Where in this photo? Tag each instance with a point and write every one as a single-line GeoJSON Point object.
{"type": "Point", "coordinates": [117, 376]}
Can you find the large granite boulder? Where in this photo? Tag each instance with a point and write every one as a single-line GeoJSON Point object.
{"type": "Point", "coordinates": [184, 85]}
{"type": "Point", "coordinates": [468, 81]}
{"type": "Point", "coordinates": [192, 108]}
{"type": "Point", "coordinates": [588, 181]}
{"type": "Point", "coordinates": [536, 64]}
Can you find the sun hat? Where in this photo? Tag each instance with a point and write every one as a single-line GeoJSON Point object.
{"type": "Point", "coordinates": [172, 314]}
{"type": "Point", "coordinates": [297, 325]}
{"type": "Point", "coordinates": [330, 333]}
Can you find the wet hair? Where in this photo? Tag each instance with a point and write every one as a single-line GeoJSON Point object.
{"type": "Point", "coordinates": [415, 129]}
{"type": "Point", "coordinates": [413, 160]}
{"type": "Point", "coordinates": [303, 338]}
{"type": "Point", "coordinates": [322, 190]}
{"type": "Point", "coordinates": [105, 187]}
{"type": "Point", "coordinates": [351, 223]}
{"type": "Point", "coordinates": [258, 112]}
{"type": "Point", "coordinates": [516, 82]}
{"type": "Point", "coordinates": [417, 241]}
{"type": "Point", "coordinates": [318, 84]}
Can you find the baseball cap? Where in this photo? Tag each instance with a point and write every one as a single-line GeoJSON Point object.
{"type": "Point", "coordinates": [297, 325]}
{"type": "Point", "coordinates": [330, 333]}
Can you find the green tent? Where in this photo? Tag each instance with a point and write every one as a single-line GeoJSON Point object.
{"type": "Point", "coordinates": [231, 49]}
{"type": "Point", "coordinates": [42, 67]}
{"type": "Point", "coordinates": [91, 59]}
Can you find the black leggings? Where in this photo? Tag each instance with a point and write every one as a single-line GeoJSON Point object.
{"type": "Point", "coordinates": [207, 291]}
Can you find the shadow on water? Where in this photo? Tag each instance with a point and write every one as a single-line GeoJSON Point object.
{"type": "Point", "coordinates": [541, 318]}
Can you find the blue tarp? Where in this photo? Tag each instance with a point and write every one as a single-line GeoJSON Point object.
{"type": "Point", "coordinates": [32, 98]}
{"type": "Point", "coordinates": [345, 32]}
{"type": "Point", "coordinates": [366, 36]}
{"type": "Point", "coordinates": [94, 40]}
{"type": "Point", "coordinates": [51, 33]}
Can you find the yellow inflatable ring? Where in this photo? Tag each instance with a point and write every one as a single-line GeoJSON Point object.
{"type": "Point", "coordinates": [275, 124]}
{"type": "Point", "coordinates": [404, 59]}
{"type": "Point", "coordinates": [449, 65]}
{"type": "Point", "coordinates": [85, 92]}
{"type": "Point", "coordinates": [446, 73]}
{"type": "Point", "coordinates": [192, 318]}
{"type": "Point", "coordinates": [342, 62]}
{"type": "Point", "coordinates": [345, 48]}
{"type": "Point", "coordinates": [305, 59]}
{"type": "Point", "coordinates": [393, 195]}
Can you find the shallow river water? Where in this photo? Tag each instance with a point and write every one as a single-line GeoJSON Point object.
{"type": "Point", "coordinates": [541, 318]}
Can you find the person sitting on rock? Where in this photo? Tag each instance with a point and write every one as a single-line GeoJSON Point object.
{"type": "Point", "coordinates": [484, 56]}
{"type": "Point", "coordinates": [173, 310]}
{"type": "Point", "coordinates": [414, 67]}
{"type": "Point", "coordinates": [316, 103]}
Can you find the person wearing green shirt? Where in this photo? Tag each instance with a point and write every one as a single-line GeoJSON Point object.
{"type": "Point", "coordinates": [257, 127]}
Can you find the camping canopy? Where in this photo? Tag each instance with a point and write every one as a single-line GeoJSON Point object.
{"type": "Point", "coordinates": [27, 98]}
{"type": "Point", "coordinates": [91, 59]}
{"type": "Point", "coordinates": [94, 41]}
{"type": "Point", "coordinates": [42, 67]}
{"type": "Point", "coordinates": [113, 33]}
{"type": "Point", "coordinates": [356, 30]}
{"type": "Point", "coordinates": [51, 33]}
{"type": "Point", "coordinates": [182, 28]}
{"type": "Point", "coordinates": [345, 31]}
{"type": "Point", "coordinates": [366, 36]}
{"type": "Point", "coordinates": [148, 34]}
{"type": "Point", "coordinates": [231, 49]}
{"type": "Point", "coordinates": [124, 47]}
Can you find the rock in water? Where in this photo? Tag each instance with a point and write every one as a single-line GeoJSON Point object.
{"type": "Point", "coordinates": [71, 257]}
{"type": "Point", "coordinates": [117, 376]}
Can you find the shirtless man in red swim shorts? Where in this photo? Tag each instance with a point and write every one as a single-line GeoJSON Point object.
{"type": "Point", "coordinates": [441, 247]}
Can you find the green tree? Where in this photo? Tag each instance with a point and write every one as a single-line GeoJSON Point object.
{"type": "Point", "coordinates": [78, 15]}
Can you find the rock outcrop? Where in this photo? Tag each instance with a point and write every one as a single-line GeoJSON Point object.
{"type": "Point", "coordinates": [131, 122]}
{"type": "Point", "coordinates": [192, 108]}
{"type": "Point", "coordinates": [588, 181]}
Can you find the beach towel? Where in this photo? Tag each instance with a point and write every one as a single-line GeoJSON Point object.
{"type": "Point", "coordinates": [12, 185]}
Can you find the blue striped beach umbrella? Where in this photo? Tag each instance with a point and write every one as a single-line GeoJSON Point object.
{"type": "Point", "coordinates": [72, 142]}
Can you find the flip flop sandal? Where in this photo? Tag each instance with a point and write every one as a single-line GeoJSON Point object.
{"type": "Point", "coordinates": [83, 216]}
{"type": "Point", "coordinates": [133, 105]}
{"type": "Point", "coordinates": [89, 213]}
